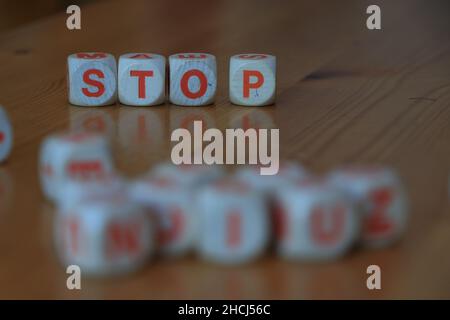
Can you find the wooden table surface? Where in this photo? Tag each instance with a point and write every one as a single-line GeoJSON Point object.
{"type": "Point", "coordinates": [345, 95]}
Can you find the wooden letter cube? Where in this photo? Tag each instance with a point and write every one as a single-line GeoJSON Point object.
{"type": "Point", "coordinates": [174, 212]}
{"type": "Point", "coordinates": [314, 221]}
{"type": "Point", "coordinates": [381, 199]}
{"type": "Point", "coordinates": [73, 156]}
{"type": "Point", "coordinates": [142, 79]}
{"type": "Point", "coordinates": [107, 237]}
{"type": "Point", "coordinates": [193, 79]}
{"type": "Point", "coordinates": [92, 79]}
{"type": "Point", "coordinates": [234, 222]}
{"type": "Point", "coordinates": [6, 135]}
{"type": "Point", "coordinates": [252, 79]}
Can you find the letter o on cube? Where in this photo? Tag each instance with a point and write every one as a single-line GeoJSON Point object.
{"type": "Point", "coordinates": [234, 222]}
{"type": "Point", "coordinates": [92, 79]}
{"type": "Point", "coordinates": [6, 135]}
{"type": "Point", "coordinates": [193, 79]}
{"type": "Point", "coordinates": [314, 221]}
{"type": "Point", "coordinates": [103, 237]}
{"type": "Point", "coordinates": [252, 79]}
{"type": "Point", "coordinates": [141, 79]}
{"type": "Point", "coordinates": [381, 200]}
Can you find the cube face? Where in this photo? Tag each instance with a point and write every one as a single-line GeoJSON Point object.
{"type": "Point", "coordinates": [92, 79]}
{"type": "Point", "coordinates": [252, 80]}
{"type": "Point", "coordinates": [189, 175]}
{"type": "Point", "coordinates": [314, 222]}
{"type": "Point", "coordinates": [141, 79]}
{"type": "Point", "coordinates": [6, 135]}
{"type": "Point", "coordinates": [173, 211]}
{"type": "Point", "coordinates": [103, 238]}
{"type": "Point", "coordinates": [73, 156]}
{"type": "Point", "coordinates": [288, 173]}
{"type": "Point", "coordinates": [382, 201]}
{"type": "Point", "coordinates": [74, 191]}
{"type": "Point", "coordinates": [193, 79]}
{"type": "Point", "coordinates": [234, 224]}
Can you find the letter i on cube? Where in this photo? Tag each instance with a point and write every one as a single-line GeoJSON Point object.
{"type": "Point", "coordinates": [234, 222]}
{"type": "Point", "coordinates": [142, 79]}
{"type": "Point", "coordinates": [92, 79]}
{"type": "Point", "coordinates": [252, 79]}
{"type": "Point", "coordinates": [381, 199]}
{"type": "Point", "coordinates": [193, 79]}
{"type": "Point", "coordinates": [6, 135]}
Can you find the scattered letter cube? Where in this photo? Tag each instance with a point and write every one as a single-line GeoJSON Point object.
{"type": "Point", "coordinates": [314, 221]}
{"type": "Point", "coordinates": [193, 79]}
{"type": "Point", "coordinates": [92, 79]}
{"type": "Point", "coordinates": [381, 199]}
{"type": "Point", "coordinates": [6, 135]}
{"type": "Point", "coordinates": [234, 222]}
{"type": "Point", "coordinates": [142, 79]}
{"type": "Point", "coordinates": [175, 214]}
{"type": "Point", "coordinates": [106, 237]}
{"type": "Point", "coordinates": [252, 79]}
{"type": "Point", "coordinates": [73, 156]}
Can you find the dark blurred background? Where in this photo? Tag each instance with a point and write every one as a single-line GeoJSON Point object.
{"type": "Point", "coordinates": [14, 13]}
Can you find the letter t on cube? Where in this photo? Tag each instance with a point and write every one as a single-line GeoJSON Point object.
{"type": "Point", "coordinates": [142, 79]}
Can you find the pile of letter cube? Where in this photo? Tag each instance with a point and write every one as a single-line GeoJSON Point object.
{"type": "Point", "coordinates": [107, 224]}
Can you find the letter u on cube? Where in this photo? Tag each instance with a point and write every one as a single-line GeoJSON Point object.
{"type": "Point", "coordinates": [140, 79]}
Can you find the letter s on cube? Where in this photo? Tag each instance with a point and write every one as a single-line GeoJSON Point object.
{"type": "Point", "coordinates": [193, 79]}
{"type": "Point", "coordinates": [92, 79]}
{"type": "Point", "coordinates": [252, 79]}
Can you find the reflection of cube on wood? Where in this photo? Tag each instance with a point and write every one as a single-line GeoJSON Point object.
{"type": "Point", "coordinates": [252, 79]}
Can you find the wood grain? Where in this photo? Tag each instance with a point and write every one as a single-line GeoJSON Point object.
{"type": "Point", "coordinates": [345, 94]}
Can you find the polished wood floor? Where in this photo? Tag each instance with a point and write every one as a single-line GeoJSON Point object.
{"type": "Point", "coordinates": [345, 95]}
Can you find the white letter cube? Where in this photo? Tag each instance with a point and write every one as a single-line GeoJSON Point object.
{"type": "Point", "coordinates": [92, 79]}
{"type": "Point", "coordinates": [234, 222]}
{"type": "Point", "coordinates": [142, 79]}
{"type": "Point", "coordinates": [252, 79]}
{"type": "Point", "coordinates": [314, 221]}
{"type": "Point", "coordinates": [193, 79]}
{"type": "Point", "coordinates": [381, 199]}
